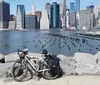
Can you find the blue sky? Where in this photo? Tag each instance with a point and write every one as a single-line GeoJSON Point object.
{"type": "Point", "coordinates": [40, 4]}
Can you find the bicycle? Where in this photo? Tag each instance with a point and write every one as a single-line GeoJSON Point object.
{"type": "Point", "coordinates": [47, 66]}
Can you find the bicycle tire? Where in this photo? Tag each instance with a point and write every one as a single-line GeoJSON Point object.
{"type": "Point", "coordinates": [14, 68]}
{"type": "Point", "coordinates": [51, 76]}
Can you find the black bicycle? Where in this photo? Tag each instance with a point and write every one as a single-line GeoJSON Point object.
{"type": "Point", "coordinates": [47, 65]}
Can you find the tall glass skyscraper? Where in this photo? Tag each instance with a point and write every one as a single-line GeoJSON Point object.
{"type": "Point", "coordinates": [55, 16]}
{"type": "Point", "coordinates": [72, 7]}
{"type": "Point", "coordinates": [78, 6]}
{"type": "Point", "coordinates": [4, 14]}
{"type": "Point", "coordinates": [20, 17]}
{"type": "Point", "coordinates": [47, 8]}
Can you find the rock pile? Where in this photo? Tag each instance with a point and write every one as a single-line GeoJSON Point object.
{"type": "Point", "coordinates": [80, 63]}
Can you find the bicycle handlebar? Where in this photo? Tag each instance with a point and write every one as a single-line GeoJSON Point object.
{"type": "Point", "coordinates": [25, 51]}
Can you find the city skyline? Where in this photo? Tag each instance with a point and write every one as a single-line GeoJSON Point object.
{"type": "Point", "coordinates": [28, 4]}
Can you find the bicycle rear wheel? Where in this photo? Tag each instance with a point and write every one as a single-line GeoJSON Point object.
{"type": "Point", "coordinates": [50, 74]}
{"type": "Point", "coordinates": [19, 70]}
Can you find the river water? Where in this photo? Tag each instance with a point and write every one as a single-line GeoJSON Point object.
{"type": "Point", "coordinates": [56, 42]}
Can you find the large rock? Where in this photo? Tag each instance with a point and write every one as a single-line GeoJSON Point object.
{"type": "Point", "coordinates": [86, 64]}
{"type": "Point", "coordinates": [5, 69]}
{"type": "Point", "coordinates": [67, 64]}
{"type": "Point", "coordinates": [11, 57]}
{"type": "Point", "coordinates": [34, 55]}
{"type": "Point", "coordinates": [14, 56]}
{"type": "Point", "coordinates": [1, 56]}
{"type": "Point", "coordinates": [97, 58]}
{"type": "Point", "coordinates": [2, 60]}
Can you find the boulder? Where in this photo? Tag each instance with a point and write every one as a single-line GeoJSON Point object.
{"type": "Point", "coordinates": [97, 58]}
{"type": "Point", "coordinates": [86, 64]}
{"type": "Point", "coordinates": [14, 56]}
{"type": "Point", "coordinates": [1, 56]}
{"type": "Point", "coordinates": [5, 69]}
{"type": "Point", "coordinates": [11, 57]}
{"type": "Point", "coordinates": [67, 64]}
{"type": "Point", "coordinates": [2, 60]}
{"type": "Point", "coordinates": [84, 58]}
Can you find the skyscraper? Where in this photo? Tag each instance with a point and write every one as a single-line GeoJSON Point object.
{"type": "Point", "coordinates": [33, 9]}
{"type": "Point", "coordinates": [97, 11]}
{"type": "Point", "coordinates": [72, 19]}
{"type": "Point", "coordinates": [72, 7]}
{"type": "Point", "coordinates": [39, 15]}
{"type": "Point", "coordinates": [20, 17]}
{"type": "Point", "coordinates": [4, 14]}
{"type": "Point", "coordinates": [64, 8]}
{"type": "Point", "coordinates": [64, 14]}
{"type": "Point", "coordinates": [67, 18]}
{"type": "Point", "coordinates": [61, 14]}
{"type": "Point", "coordinates": [85, 20]}
{"type": "Point", "coordinates": [44, 22]}
{"type": "Point", "coordinates": [55, 16]}
{"type": "Point", "coordinates": [47, 8]}
{"type": "Point", "coordinates": [78, 6]}
{"type": "Point", "coordinates": [61, 10]}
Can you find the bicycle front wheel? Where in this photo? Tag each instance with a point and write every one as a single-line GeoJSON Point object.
{"type": "Point", "coordinates": [19, 70]}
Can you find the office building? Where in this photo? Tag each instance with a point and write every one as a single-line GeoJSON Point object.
{"type": "Point", "coordinates": [77, 6]}
{"type": "Point", "coordinates": [64, 7]}
{"type": "Point", "coordinates": [72, 19]}
{"type": "Point", "coordinates": [97, 11]}
{"type": "Point", "coordinates": [67, 19]}
{"type": "Point", "coordinates": [39, 15]}
{"type": "Point", "coordinates": [31, 22]}
{"type": "Point", "coordinates": [55, 16]}
{"type": "Point", "coordinates": [85, 20]}
{"type": "Point", "coordinates": [12, 25]}
{"type": "Point", "coordinates": [98, 24]}
{"type": "Point", "coordinates": [47, 8]}
{"type": "Point", "coordinates": [61, 10]}
{"type": "Point", "coordinates": [64, 14]}
{"type": "Point", "coordinates": [61, 14]}
{"type": "Point", "coordinates": [92, 21]}
{"type": "Point", "coordinates": [44, 22]}
{"type": "Point", "coordinates": [33, 9]}
{"type": "Point", "coordinates": [4, 14]}
{"type": "Point", "coordinates": [72, 7]}
{"type": "Point", "coordinates": [20, 17]}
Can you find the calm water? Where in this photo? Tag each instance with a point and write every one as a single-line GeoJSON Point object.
{"type": "Point", "coordinates": [56, 42]}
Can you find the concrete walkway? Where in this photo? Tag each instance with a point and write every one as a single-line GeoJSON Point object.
{"type": "Point", "coordinates": [68, 80]}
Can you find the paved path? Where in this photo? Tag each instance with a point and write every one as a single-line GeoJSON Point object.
{"type": "Point", "coordinates": [68, 80]}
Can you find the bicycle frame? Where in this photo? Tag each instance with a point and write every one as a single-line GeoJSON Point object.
{"type": "Point", "coordinates": [33, 65]}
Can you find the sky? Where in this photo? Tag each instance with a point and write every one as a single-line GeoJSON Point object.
{"type": "Point", "coordinates": [40, 4]}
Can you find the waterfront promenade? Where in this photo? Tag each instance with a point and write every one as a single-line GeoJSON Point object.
{"type": "Point", "coordinates": [66, 80]}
